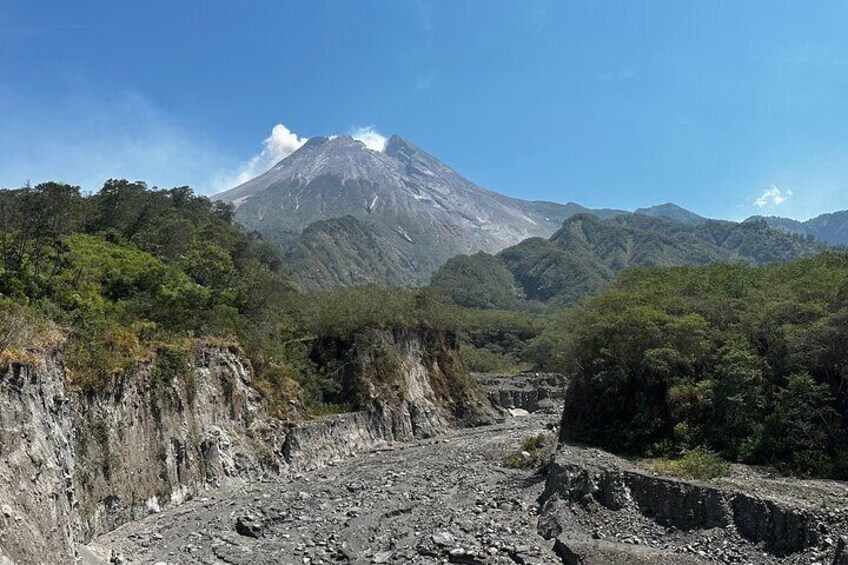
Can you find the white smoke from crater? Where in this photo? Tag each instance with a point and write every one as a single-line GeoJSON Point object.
{"type": "Point", "coordinates": [280, 144]}
{"type": "Point", "coordinates": [283, 142]}
{"type": "Point", "coordinates": [373, 139]}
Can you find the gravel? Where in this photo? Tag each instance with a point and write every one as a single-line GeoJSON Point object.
{"type": "Point", "coordinates": [442, 500]}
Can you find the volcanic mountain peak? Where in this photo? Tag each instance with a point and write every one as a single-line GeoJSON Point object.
{"type": "Point", "coordinates": [412, 201]}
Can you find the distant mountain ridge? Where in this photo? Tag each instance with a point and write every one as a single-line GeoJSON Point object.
{"type": "Point", "coordinates": [587, 253]}
{"type": "Point", "coordinates": [390, 217]}
{"type": "Point", "coordinates": [347, 215]}
{"type": "Point", "coordinates": [672, 212]}
{"type": "Point", "coordinates": [829, 228]}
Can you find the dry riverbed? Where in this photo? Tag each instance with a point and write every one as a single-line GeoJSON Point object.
{"type": "Point", "coordinates": [447, 499]}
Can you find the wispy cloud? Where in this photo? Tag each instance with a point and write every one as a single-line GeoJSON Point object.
{"type": "Point", "coordinates": [88, 137]}
{"type": "Point", "coordinates": [772, 197]}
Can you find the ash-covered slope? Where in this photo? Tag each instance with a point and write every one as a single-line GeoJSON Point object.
{"type": "Point", "coordinates": [421, 211]}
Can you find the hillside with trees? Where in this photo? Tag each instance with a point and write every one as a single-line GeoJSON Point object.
{"type": "Point", "coordinates": [130, 272]}
{"type": "Point", "coordinates": [587, 254]}
{"type": "Point", "coordinates": [749, 362]}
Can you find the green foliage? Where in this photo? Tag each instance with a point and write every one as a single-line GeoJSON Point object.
{"type": "Point", "coordinates": [745, 361]}
{"type": "Point", "coordinates": [536, 451]}
{"type": "Point", "coordinates": [587, 254]}
{"type": "Point", "coordinates": [478, 281]}
{"type": "Point", "coordinates": [133, 274]}
{"type": "Point", "coordinates": [488, 360]}
{"type": "Point", "coordinates": [695, 464]}
{"type": "Point", "coordinates": [129, 269]}
{"type": "Point", "coordinates": [496, 340]}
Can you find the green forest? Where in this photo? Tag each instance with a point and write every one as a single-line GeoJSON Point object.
{"type": "Point", "coordinates": [747, 361]}
{"type": "Point", "coordinates": [131, 271]}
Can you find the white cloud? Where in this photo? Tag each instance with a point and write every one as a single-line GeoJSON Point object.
{"type": "Point", "coordinates": [772, 196]}
{"type": "Point", "coordinates": [373, 140]}
{"type": "Point", "coordinates": [280, 144]}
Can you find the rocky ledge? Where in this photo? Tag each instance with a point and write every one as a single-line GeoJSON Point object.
{"type": "Point", "coordinates": [604, 509]}
{"type": "Point", "coordinates": [533, 392]}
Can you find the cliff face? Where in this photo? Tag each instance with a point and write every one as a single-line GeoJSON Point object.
{"type": "Point", "coordinates": [406, 385]}
{"type": "Point", "coordinates": [38, 518]}
{"type": "Point", "coordinates": [153, 438]}
{"type": "Point", "coordinates": [412, 383]}
{"type": "Point", "coordinates": [75, 465]}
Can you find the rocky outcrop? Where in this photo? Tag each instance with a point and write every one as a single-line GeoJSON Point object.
{"type": "Point", "coordinates": [533, 392]}
{"type": "Point", "coordinates": [78, 464]}
{"type": "Point", "coordinates": [590, 552]}
{"type": "Point", "coordinates": [38, 518]}
{"type": "Point", "coordinates": [413, 384]}
{"type": "Point", "coordinates": [602, 504]}
{"type": "Point", "coordinates": [315, 444]}
{"type": "Point", "coordinates": [156, 436]}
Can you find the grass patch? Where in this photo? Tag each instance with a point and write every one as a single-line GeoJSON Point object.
{"type": "Point", "coordinates": [536, 452]}
{"type": "Point", "coordinates": [695, 464]}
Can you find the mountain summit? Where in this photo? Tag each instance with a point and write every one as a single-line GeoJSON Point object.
{"type": "Point", "coordinates": [346, 214]}
{"type": "Point", "coordinates": [672, 212]}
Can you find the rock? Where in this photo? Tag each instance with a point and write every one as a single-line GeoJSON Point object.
{"type": "Point", "coordinates": [383, 557]}
{"type": "Point", "coordinates": [841, 557]}
{"type": "Point", "coordinates": [249, 526]}
{"type": "Point", "coordinates": [443, 539]}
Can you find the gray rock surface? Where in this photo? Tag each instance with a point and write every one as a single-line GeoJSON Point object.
{"type": "Point", "coordinates": [429, 501]}
{"type": "Point", "coordinates": [599, 505]}
{"type": "Point", "coordinates": [533, 392]}
{"type": "Point", "coordinates": [143, 444]}
{"type": "Point", "coordinates": [79, 464]}
{"type": "Point", "coordinates": [37, 501]}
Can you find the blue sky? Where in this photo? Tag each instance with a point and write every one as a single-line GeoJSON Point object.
{"type": "Point", "coordinates": [727, 108]}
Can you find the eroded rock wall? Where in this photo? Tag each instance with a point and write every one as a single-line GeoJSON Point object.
{"type": "Point", "coordinates": [533, 392]}
{"type": "Point", "coordinates": [413, 384]}
{"type": "Point", "coordinates": [38, 515]}
{"type": "Point", "coordinates": [75, 465]}
{"type": "Point", "coordinates": [151, 439]}
{"type": "Point", "coordinates": [583, 483]}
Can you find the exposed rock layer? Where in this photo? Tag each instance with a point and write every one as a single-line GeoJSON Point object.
{"type": "Point", "coordinates": [38, 517]}
{"type": "Point", "coordinates": [76, 465]}
{"type": "Point", "coordinates": [598, 505]}
{"type": "Point", "coordinates": [529, 391]}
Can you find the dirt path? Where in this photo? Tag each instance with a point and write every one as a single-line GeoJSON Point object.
{"type": "Point", "coordinates": [435, 501]}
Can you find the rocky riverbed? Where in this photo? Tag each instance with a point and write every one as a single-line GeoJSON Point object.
{"type": "Point", "coordinates": [451, 500]}
{"type": "Point", "coordinates": [441, 500]}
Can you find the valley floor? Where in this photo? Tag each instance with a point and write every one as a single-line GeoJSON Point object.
{"type": "Point", "coordinates": [441, 500]}
{"type": "Point", "coordinates": [450, 500]}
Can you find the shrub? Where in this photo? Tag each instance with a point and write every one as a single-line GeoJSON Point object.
{"type": "Point", "coordinates": [536, 452]}
{"type": "Point", "coordinates": [695, 464]}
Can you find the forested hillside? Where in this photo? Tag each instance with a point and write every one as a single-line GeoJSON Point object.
{"type": "Point", "coordinates": [587, 253]}
{"type": "Point", "coordinates": [131, 271]}
{"type": "Point", "coordinates": [749, 362]}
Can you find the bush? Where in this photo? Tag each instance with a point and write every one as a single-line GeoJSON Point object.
{"type": "Point", "coordinates": [536, 452]}
{"type": "Point", "coordinates": [695, 464]}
